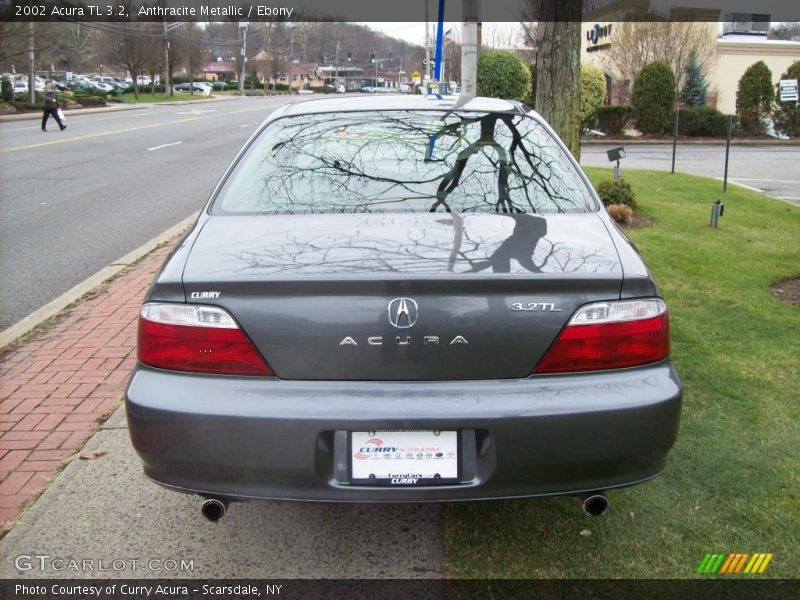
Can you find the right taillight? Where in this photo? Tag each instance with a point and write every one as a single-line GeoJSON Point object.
{"type": "Point", "coordinates": [196, 339]}
{"type": "Point", "coordinates": [610, 335]}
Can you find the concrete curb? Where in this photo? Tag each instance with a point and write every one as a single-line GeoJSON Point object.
{"type": "Point", "coordinates": [51, 309]}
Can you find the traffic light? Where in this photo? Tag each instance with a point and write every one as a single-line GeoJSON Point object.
{"type": "Point", "coordinates": [372, 58]}
{"type": "Point", "coordinates": [349, 57]}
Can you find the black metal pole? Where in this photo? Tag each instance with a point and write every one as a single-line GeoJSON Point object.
{"type": "Point", "coordinates": [675, 137]}
{"type": "Point", "coordinates": [727, 153]}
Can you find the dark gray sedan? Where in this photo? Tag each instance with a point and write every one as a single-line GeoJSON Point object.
{"type": "Point", "coordinates": [387, 299]}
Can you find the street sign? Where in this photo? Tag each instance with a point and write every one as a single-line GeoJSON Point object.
{"type": "Point", "coordinates": [788, 90]}
{"type": "Point", "coordinates": [415, 74]}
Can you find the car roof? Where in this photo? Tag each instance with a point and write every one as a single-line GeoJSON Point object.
{"type": "Point", "coordinates": [397, 102]}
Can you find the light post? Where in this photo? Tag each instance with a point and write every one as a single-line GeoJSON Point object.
{"type": "Point", "coordinates": [336, 73]}
{"type": "Point", "coordinates": [399, 73]}
{"type": "Point", "coordinates": [243, 29]}
{"type": "Point", "coordinates": [375, 62]}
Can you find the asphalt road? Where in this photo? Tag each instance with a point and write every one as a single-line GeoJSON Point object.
{"type": "Point", "coordinates": [72, 202]}
{"type": "Point", "coordinates": [774, 170]}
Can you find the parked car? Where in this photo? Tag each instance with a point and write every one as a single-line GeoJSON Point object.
{"type": "Point", "coordinates": [20, 87]}
{"type": "Point", "coordinates": [102, 87]}
{"type": "Point", "coordinates": [199, 86]}
{"type": "Point", "coordinates": [38, 84]}
{"type": "Point", "coordinates": [340, 89]}
{"type": "Point", "coordinates": [390, 300]}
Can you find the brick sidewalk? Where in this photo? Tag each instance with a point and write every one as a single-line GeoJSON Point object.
{"type": "Point", "coordinates": [59, 384]}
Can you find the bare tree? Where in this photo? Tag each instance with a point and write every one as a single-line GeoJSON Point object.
{"type": "Point", "coordinates": [131, 46]}
{"type": "Point", "coordinates": [190, 49]}
{"type": "Point", "coordinates": [653, 37]}
{"type": "Point", "coordinates": [499, 36]}
{"type": "Point", "coordinates": [785, 31]}
{"type": "Point", "coordinates": [74, 46]}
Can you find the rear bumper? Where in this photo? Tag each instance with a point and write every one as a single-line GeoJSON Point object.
{"type": "Point", "coordinates": [258, 438]}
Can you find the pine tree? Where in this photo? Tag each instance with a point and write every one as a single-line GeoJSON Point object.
{"type": "Point", "coordinates": [696, 87]}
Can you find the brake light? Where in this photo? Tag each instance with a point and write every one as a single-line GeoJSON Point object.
{"type": "Point", "coordinates": [198, 339]}
{"type": "Point", "coordinates": [610, 335]}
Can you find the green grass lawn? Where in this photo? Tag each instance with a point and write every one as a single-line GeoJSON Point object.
{"type": "Point", "coordinates": [732, 482]}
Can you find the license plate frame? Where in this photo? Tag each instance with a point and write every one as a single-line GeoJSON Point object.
{"type": "Point", "coordinates": [451, 467]}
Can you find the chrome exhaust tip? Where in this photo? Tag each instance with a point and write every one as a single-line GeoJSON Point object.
{"type": "Point", "coordinates": [214, 509]}
{"type": "Point", "coordinates": [594, 504]}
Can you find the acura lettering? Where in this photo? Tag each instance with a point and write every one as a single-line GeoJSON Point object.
{"type": "Point", "coordinates": [405, 340]}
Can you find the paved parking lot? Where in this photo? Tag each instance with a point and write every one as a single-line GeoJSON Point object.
{"type": "Point", "coordinates": [773, 170]}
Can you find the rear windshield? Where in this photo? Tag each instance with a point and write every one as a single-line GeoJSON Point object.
{"type": "Point", "coordinates": [404, 161]}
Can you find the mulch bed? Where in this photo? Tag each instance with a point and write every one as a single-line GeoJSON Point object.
{"type": "Point", "coordinates": [787, 290]}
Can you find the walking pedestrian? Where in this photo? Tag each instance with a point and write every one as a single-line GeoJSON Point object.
{"type": "Point", "coordinates": [50, 106]}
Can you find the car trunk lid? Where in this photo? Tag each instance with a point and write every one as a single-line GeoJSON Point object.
{"type": "Point", "coordinates": [402, 296]}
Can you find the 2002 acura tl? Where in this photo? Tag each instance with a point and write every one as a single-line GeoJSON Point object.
{"type": "Point", "coordinates": [387, 300]}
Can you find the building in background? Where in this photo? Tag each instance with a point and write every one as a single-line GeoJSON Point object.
{"type": "Point", "coordinates": [736, 51]}
{"type": "Point", "coordinates": [735, 45]}
{"type": "Point", "coordinates": [219, 71]}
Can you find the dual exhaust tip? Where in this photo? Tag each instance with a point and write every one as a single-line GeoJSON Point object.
{"type": "Point", "coordinates": [214, 509]}
{"type": "Point", "coordinates": [594, 505]}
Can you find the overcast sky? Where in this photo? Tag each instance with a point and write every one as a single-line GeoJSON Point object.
{"type": "Point", "coordinates": [494, 34]}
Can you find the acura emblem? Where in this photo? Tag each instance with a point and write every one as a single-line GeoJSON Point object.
{"type": "Point", "coordinates": [403, 312]}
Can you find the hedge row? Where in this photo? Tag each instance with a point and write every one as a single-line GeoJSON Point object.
{"type": "Point", "coordinates": [702, 121]}
{"type": "Point", "coordinates": [612, 119]}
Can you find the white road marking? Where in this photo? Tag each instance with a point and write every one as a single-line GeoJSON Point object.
{"type": "Point", "coordinates": [196, 111]}
{"type": "Point", "coordinates": [78, 138]}
{"type": "Point", "coordinates": [163, 146]}
{"type": "Point", "coordinates": [246, 125]}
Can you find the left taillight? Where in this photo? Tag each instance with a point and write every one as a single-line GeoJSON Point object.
{"type": "Point", "coordinates": [197, 339]}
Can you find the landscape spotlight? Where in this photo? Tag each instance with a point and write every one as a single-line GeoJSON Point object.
{"type": "Point", "coordinates": [616, 154]}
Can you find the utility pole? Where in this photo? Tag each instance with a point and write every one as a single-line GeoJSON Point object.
{"type": "Point", "coordinates": [336, 76]}
{"type": "Point", "coordinates": [427, 44]}
{"type": "Point", "coordinates": [31, 71]}
{"type": "Point", "coordinates": [167, 86]}
{"type": "Point", "coordinates": [469, 47]}
{"type": "Point", "coordinates": [243, 29]}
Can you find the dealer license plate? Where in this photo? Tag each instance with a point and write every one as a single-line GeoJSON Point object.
{"type": "Point", "coordinates": [404, 458]}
